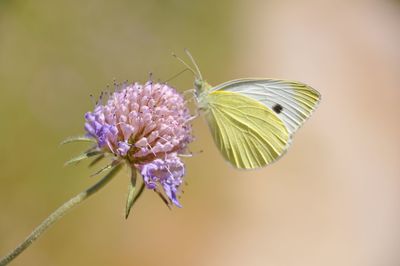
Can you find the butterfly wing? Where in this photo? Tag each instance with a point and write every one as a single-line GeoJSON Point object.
{"type": "Point", "coordinates": [248, 134]}
{"type": "Point", "coordinates": [293, 102]}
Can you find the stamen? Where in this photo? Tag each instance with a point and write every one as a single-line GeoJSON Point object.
{"type": "Point", "coordinates": [151, 148]}
{"type": "Point", "coordinates": [191, 154]}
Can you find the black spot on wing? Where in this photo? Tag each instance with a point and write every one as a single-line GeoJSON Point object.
{"type": "Point", "coordinates": [277, 108]}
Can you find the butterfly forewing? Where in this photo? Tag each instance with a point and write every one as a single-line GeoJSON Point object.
{"type": "Point", "coordinates": [248, 134]}
{"type": "Point", "coordinates": [293, 102]}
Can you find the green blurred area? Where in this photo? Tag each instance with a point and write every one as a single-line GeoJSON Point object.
{"type": "Point", "coordinates": [333, 199]}
{"type": "Point", "coordinates": [53, 55]}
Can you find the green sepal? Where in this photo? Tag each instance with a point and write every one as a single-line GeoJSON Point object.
{"type": "Point", "coordinates": [114, 170]}
{"type": "Point", "coordinates": [132, 197]}
{"type": "Point", "coordinates": [102, 170]}
{"type": "Point", "coordinates": [78, 139]}
{"type": "Point", "coordinates": [96, 160]}
{"type": "Point", "coordinates": [111, 165]}
{"type": "Point", "coordinates": [82, 156]}
{"type": "Point", "coordinates": [163, 198]}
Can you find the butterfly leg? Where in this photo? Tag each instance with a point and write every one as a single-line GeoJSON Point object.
{"type": "Point", "coordinates": [191, 93]}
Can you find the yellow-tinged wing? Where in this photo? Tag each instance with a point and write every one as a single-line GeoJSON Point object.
{"type": "Point", "coordinates": [248, 134]}
{"type": "Point", "coordinates": [293, 102]}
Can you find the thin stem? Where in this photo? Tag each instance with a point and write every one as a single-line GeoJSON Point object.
{"type": "Point", "coordinates": [57, 214]}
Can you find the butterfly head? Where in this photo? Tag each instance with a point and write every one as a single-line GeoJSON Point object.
{"type": "Point", "coordinates": [199, 83]}
{"type": "Point", "coordinates": [201, 86]}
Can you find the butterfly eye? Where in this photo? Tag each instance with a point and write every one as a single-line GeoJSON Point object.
{"type": "Point", "coordinates": [198, 83]}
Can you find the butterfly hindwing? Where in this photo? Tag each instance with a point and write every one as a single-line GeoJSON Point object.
{"type": "Point", "coordinates": [248, 134]}
{"type": "Point", "coordinates": [293, 102]}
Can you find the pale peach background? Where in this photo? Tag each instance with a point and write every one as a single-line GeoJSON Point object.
{"type": "Point", "coordinates": [332, 200]}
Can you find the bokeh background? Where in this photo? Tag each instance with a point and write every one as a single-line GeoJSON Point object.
{"type": "Point", "coordinates": [332, 200]}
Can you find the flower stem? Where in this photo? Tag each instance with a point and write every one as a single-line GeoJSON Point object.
{"type": "Point", "coordinates": [57, 214]}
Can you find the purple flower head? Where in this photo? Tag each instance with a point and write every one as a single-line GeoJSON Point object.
{"type": "Point", "coordinates": [168, 173]}
{"type": "Point", "coordinates": [146, 125]}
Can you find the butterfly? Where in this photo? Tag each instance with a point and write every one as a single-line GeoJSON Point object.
{"type": "Point", "coordinates": [253, 120]}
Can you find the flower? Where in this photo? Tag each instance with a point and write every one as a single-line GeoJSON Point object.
{"type": "Point", "coordinates": [148, 126]}
{"type": "Point", "coordinates": [167, 172]}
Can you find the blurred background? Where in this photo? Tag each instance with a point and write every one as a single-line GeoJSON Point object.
{"type": "Point", "coordinates": [332, 200]}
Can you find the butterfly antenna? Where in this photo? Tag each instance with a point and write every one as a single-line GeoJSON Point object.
{"type": "Point", "coordinates": [176, 75]}
{"type": "Point", "coordinates": [185, 64]}
{"type": "Point", "coordinates": [194, 63]}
